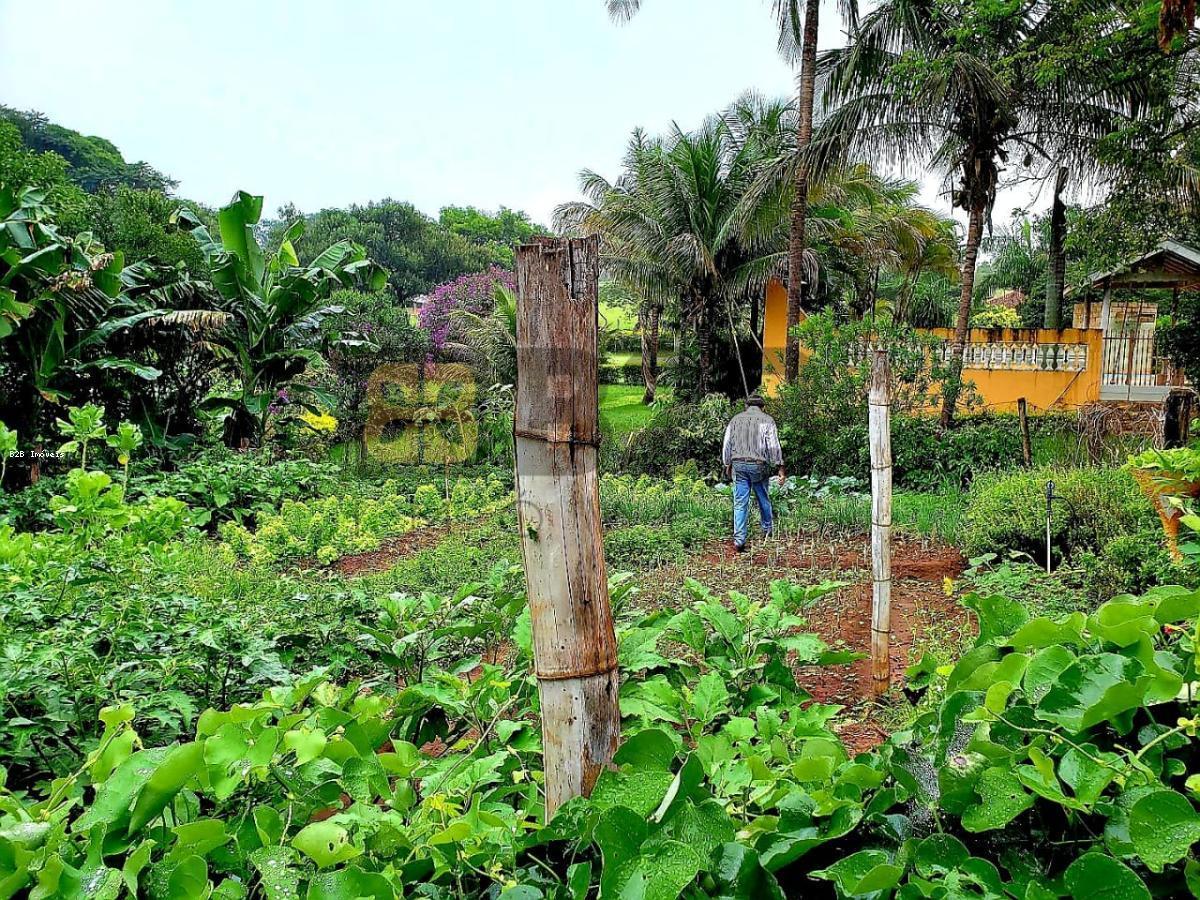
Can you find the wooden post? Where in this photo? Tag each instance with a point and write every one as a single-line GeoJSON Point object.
{"type": "Point", "coordinates": [1177, 417]}
{"type": "Point", "coordinates": [880, 415]}
{"type": "Point", "coordinates": [1026, 446]}
{"type": "Point", "coordinates": [557, 434]}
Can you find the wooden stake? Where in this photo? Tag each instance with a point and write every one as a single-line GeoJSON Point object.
{"type": "Point", "coordinates": [1177, 417]}
{"type": "Point", "coordinates": [558, 495]}
{"type": "Point", "coordinates": [880, 414]}
{"type": "Point", "coordinates": [1026, 444]}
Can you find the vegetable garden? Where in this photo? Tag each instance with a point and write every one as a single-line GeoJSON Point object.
{"type": "Point", "coordinates": [371, 554]}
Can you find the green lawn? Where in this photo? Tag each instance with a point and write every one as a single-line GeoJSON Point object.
{"type": "Point", "coordinates": [618, 318]}
{"type": "Point", "coordinates": [622, 410]}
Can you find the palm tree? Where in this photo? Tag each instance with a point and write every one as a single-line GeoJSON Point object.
{"type": "Point", "coordinates": [492, 338]}
{"type": "Point", "coordinates": [686, 225]}
{"type": "Point", "coordinates": [797, 40]}
{"type": "Point", "coordinates": [927, 82]}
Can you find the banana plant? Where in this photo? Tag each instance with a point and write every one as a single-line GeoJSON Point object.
{"type": "Point", "coordinates": [61, 300]}
{"type": "Point", "coordinates": [268, 328]}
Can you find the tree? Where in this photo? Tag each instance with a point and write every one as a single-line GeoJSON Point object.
{"type": "Point", "coordinates": [791, 37]}
{"type": "Point", "coordinates": [94, 163]}
{"type": "Point", "coordinates": [270, 314]}
{"type": "Point", "coordinates": [499, 232]}
{"type": "Point", "coordinates": [687, 224]}
{"type": "Point", "coordinates": [47, 172]}
{"type": "Point", "coordinates": [945, 83]}
{"type": "Point", "coordinates": [415, 251]}
{"type": "Point", "coordinates": [797, 40]}
{"type": "Point", "coordinates": [62, 300]}
{"type": "Point", "coordinates": [1175, 18]}
{"type": "Point", "coordinates": [491, 337]}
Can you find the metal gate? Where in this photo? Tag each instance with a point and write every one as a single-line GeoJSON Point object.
{"type": "Point", "coordinates": [1131, 368]}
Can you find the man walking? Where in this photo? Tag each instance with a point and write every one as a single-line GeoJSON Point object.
{"type": "Point", "coordinates": [751, 450]}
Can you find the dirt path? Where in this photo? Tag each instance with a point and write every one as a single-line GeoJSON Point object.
{"type": "Point", "coordinates": [390, 551]}
{"type": "Point", "coordinates": [921, 610]}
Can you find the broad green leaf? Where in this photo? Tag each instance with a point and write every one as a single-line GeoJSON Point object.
{"type": "Point", "coordinates": [350, 883]}
{"type": "Point", "coordinates": [784, 847]}
{"type": "Point", "coordinates": [1001, 799]}
{"type": "Point", "coordinates": [1038, 633]}
{"type": "Point", "coordinates": [1097, 876]}
{"type": "Point", "coordinates": [1043, 670]}
{"type": "Point", "coordinates": [188, 879]}
{"type": "Point", "coordinates": [325, 843]}
{"type": "Point", "coordinates": [1124, 622]}
{"type": "Point", "coordinates": [115, 796]}
{"type": "Point", "coordinates": [277, 872]}
{"type": "Point", "coordinates": [177, 768]}
{"type": "Point", "coordinates": [938, 854]}
{"type": "Point", "coordinates": [864, 872]}
{"type": "Point", "coordinates": [1086, 777]}
{"type": "Point", "coordinates": [135, 862]}
{"type": "Point", "coordinates": [1163, 826]}
{"type": "Point", "coordinates": [710, 698]}
{"type": "Point", "coordinates": [635, 867]}
{"type": "Point", "coordinates": [579, 880]}
{"type": "Point", "coordinates": [1177, 606]}
{"type": "Point", "coordinates": [1094, 689]}
{"type": "Point", "coordinates": [649, 749]}
{"type": "Point", "coordinates": [652, 700]}
{"type": "Point", "coordinates": [637, 649]}
{"type": "Point", "coordinates": [739, 875]}
{"type": "Point", "coordinates": [307, 743]}
{"type": "Point", "coordinates": [998, 616]}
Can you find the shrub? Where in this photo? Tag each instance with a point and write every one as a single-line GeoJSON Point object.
{"type": "Point", "coordinates": [679, 433]}
{"type": "Point", "coordinates": [1007, 512]}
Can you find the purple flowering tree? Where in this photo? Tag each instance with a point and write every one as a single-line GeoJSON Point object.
{"type": "Point", "coordinates": [474, 292]}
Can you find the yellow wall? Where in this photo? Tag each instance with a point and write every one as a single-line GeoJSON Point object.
{"type": "Point", "coordinates": [998, 388]}
{"type": "Point", "coordinates": [774, 335]}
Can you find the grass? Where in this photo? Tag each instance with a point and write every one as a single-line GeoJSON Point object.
{"type": "Point", "coordinates": [622, 411]}
{"type": "Point", "coordinates": [618, 318]}
{"type": "Point", "coordinates": [633, 358]}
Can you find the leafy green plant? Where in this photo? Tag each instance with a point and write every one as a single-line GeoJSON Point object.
{"type": "Point", "coordinates": [329, 527]}
{"type": "Point", "coordinates": [8, 446]}
{"type": "Point", "coordinates": [1179, 464]}
{"type": "Point", "coordinates": [83, 425]}
{"type": "Point", "coordinates": [220, 485]}
{"type": "Point", "coordinates": [125, 440]}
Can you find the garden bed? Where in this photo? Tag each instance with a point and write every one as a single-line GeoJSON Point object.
{"type": "Point", "coordinates": [922, 611]}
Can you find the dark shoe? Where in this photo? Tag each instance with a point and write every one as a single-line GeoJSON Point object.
{"type": "Point", "coordinates": [740, 548]}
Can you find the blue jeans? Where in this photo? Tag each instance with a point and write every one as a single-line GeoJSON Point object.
{"type": "Point", "coordinates": [747, 477]}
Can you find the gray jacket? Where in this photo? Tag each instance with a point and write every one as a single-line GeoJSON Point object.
{"type": "Point", "coordinates": [752, 435]}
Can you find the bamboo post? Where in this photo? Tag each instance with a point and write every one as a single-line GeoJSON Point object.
{"type": "Point", "coordinates": [880, 414]}
{"type": "Point", "coordinates": [1026, 444]}
{"type": "Point", "coordinates": [557, 434]}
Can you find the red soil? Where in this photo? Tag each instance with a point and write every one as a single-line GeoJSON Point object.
{"type": "Point", "coordinates": [843, 618]}
{"type": "Point", "coordinates": [389, 552]}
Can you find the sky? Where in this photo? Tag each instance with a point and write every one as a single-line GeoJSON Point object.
{"type": "Point", "coordinates": [321, 104]}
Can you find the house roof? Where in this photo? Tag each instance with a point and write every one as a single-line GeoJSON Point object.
{"type": "Point", "coordinates": [1011, 298]}
{"type": "Point", "coordinates": [1171, 265]}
